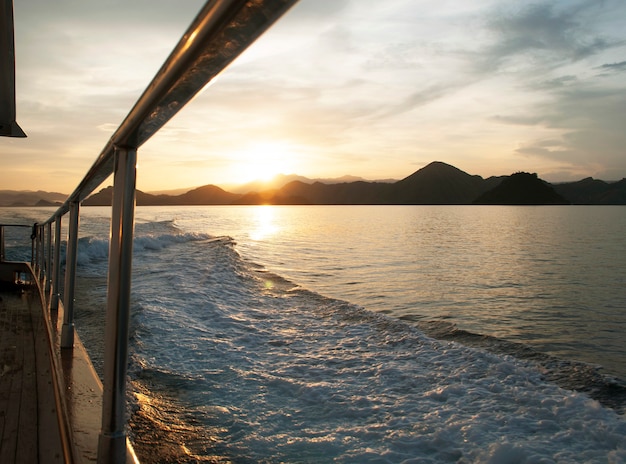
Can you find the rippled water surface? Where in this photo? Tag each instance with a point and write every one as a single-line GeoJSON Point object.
{"type": "Point", "coordinates": [551, 277]}
{"type": "Point", "coordinates": [296, 334]}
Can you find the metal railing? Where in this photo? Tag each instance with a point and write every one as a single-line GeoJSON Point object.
{"type": "Point", "coordinates": [2, 240]}
{"type": "Point", "coordinates": [222, 30]}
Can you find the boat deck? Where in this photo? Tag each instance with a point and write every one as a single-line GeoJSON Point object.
{"type": "Point", "coordinates": [50, 397]}
{"type": "Point", "coordinates": [29, 426]}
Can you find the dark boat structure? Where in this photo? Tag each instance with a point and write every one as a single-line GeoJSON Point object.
{"type": "Point", "coordinates": [8, 123]}
{"type": "Point", "coordinates": [55, 407]}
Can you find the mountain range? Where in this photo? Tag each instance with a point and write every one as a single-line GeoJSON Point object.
{"type": "Point", "coordinates": [31, 198]}
{"type": "Point", "coordinates": [435, 184]}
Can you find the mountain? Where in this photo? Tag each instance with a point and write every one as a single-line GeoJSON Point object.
{"type": "Point", "coordinates": [591, 191]}
{"type": "Point", "coordinates": [439, 184]}
{"type": "Point", "coordinates": [615, 194]}
{"type": "Point", "coordinates": [172, 192]}
{"type": "Point", "coordinates": [43, 202]}
{"type": "Point", "coordinates": [276, 182]}
{"type": "Point", "coordinates": [521, 188]}
{"type": "Point", "coordinates": [30, 198]}
{"type": "Point", "coordinates": [270, 197]}
{"type": "Point", "coordinates": [349, 193]}
{"type": "Point", "coordinates": [281, 180]}
{"type": "Point", "coordinates": [207, 195]}
{"type": "Point", "coordinates": [105, 197]}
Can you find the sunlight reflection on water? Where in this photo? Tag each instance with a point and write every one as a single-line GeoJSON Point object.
{"type": "Point", "coordinates": [264, 223]}
{"type": "Point", "coordinates": [546, 276]}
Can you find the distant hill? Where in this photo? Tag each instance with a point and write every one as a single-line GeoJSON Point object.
{"type": "Point", "coordinates": [281, 180]}
{"type": "Point", "coordinates": [30, 198]}
{"type": "Point", "coordinates": [437, 183]}
{"type": "Point", "coordinates": [349, 193]}
{"type": "Point", "coordinates": [48, 203]}
{"type": "Point", "coordinates": [178, 191]}
{"type": "Point", "coordinates": [105, 197]}
{"type": "Point", "coordinates": [275, 183]}
{"type": "Point", "coordinates": [591, 191]}
{"type": "Point", "coordinates": [521, 188]}
{"type": "Point", "coordinates": [207, 195]}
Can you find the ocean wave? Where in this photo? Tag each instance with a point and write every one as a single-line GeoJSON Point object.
{"type": "Point", "coordinates": [572, 375]}
{"type": "Point", "coordinates": [240, 364]}
{"type": "Point", "coordinates": [95, 250]}
{"type": "Point", "coordinates": [275, 372]}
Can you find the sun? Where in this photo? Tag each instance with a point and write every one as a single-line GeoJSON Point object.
{"type": "Point", "coordinates": [262, 161]}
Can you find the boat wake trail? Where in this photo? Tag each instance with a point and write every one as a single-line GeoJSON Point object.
{"type": "Point", "coordinates": [245, 366]}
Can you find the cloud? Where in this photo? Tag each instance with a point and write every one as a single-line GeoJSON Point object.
{"type": "Point", "coordinates": [555, 83]}
{"type": "Point", "coordinates": [417, 99]}
{"type": "Point", "coordinates": [543, 33]}
{"type": "Point", "coordinates": [590, 120]}
{"type": "Point", "coordinates": [529, 65]}
{"type": "Point", "coordinates": [614, 67]}
{"type": "Point", "coordinates": [361, 86]}
{"type": "Point", "coordinates": [518, 119]}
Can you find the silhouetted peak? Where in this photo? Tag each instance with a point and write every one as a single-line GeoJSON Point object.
{"type": "Point", "coordinates": [436, 169]}
{"type": "Point", "coordinates": [207, 188]}
{"type": "Point", "coordinates": [522, 177]}
{"type": "Point", "coordinates": [522, 188]}
{"type": "Point", "coordinates": [439, 183]}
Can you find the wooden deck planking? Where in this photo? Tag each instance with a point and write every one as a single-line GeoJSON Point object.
{"type": "Point", "coordinates": [50, 448]}
{"type": "Point", "coordinates": [12, 374]}
{"type": "Point", "coordinates": [27, 451]}
{"type": "Point", "coordinates": [50, 398]}
{"type": "Point", "coordinates": [27, 406]}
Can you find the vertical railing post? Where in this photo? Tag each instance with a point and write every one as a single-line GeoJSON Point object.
{"type": "Point", "coordinates": [112, 441]}
{"type": "Point", "coordinates": [1, 244]}
{"type": "Point", "coordinates": [67, 330]}
{"type": "Point", "coordinates": [48, 259]}
{"type": "Point", "coordinates": [33, 237]}
{"type": "Point", "coordinates": [42, 252]}
{"type": "Point", "coordinates": [56, 269]}
{"type": "Point", "coordinates": [37, 250]}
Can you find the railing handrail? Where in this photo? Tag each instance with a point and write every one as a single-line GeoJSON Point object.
{"type": "Point", "coordinates": [221, 31]}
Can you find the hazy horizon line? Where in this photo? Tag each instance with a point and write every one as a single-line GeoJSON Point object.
{"type": "Point", "coordinates": [276, 178]}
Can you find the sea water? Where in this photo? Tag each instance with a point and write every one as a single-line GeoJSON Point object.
{"type": "Point", "coordinates": [305, 334]}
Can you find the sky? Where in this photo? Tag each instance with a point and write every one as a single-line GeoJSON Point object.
{"type": "Point", "coordinates": [336, 87]}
